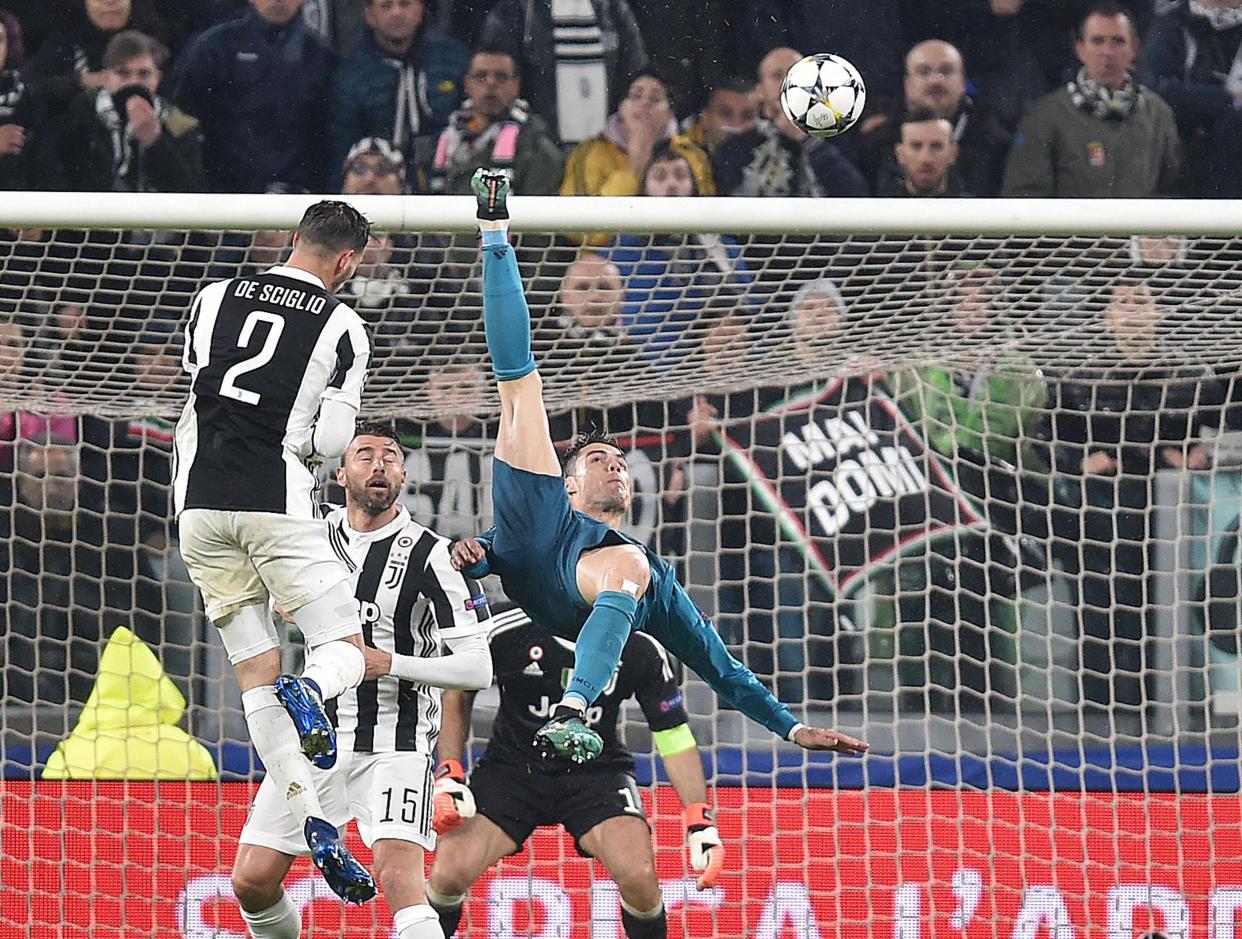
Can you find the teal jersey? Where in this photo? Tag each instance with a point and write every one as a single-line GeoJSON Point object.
{"type": "Point", "coordinates": [534, 548]}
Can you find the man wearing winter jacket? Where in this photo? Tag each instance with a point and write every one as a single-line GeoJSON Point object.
{"type": "Point", "coordinates": [258, 85]}
{"type": "Point", "coordinates": [403, 84]}
{"type": "Point", "coordinates": [123, 137]}
{"type": "Point", "coordinates": [496, 129]}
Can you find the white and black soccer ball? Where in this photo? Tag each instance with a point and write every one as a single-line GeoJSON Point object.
{"type": "Point", "coordinates": [823, 95]}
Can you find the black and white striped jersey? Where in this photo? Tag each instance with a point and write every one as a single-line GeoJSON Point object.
{"type": "Point", "coordinates": [263, 353]}
{"type": "Point", "coordinates": [410, 599]}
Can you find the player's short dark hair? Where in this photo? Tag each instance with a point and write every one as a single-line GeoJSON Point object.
{"type": "Point", "coordinates": [378, 429]}
{"type": "Point", "coordinates": [581, 442]}
{"type": "Point", "coordinates": [129, 44]}
{"type": "Point", "coordinates": [1108, 8]}
{"type": "Point", "coordinates": [334, 226]}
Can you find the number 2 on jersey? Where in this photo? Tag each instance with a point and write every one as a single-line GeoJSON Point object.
{"type": "Point", "coordinates": [275, 326]}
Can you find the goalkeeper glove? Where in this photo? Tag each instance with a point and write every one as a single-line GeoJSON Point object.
{"type": "Point", "coordinates": [452, 800]}
{"type": "Point", "coordinates": [707, 851]}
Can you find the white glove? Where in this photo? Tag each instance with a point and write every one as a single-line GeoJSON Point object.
{"type": "Point", "coordinates": [452, 800]}
{"type": "Point", "coordinates": [707, 851]}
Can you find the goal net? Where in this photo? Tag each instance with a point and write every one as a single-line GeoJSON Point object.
{"type": "Point", "coordinates": [962, 480]}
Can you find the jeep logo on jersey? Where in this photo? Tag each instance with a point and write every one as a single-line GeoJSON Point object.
{"type": "Point", "coordinates": [368, 612]}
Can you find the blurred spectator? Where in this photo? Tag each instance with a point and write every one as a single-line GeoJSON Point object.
{"type": "Point", "coordinates": [373, 166]}
{"type": "Point", "coordinates": [694, 45]}
{"type": "Point", "coordinates": [586, 331]}
{"type": "Point", "coordinates": [935, 81]}
{"type": "Point", "coordinates": [577, 58]}
{"type": "Point", "coordinates": [61, 586]}
{"type": "Point", "coordinates": [15, 47]}
{"type": "Point", "coordinates": [70, 59]}
{"type": "Point", "coordinates": [338, 22]}
{"type": "Point", "coordinates": [670, 278]}
{"type": "Point", "coordinates": [869, 34]}
{"type": "Point", "coordinates": [1114, 422]}
{"type": "Point", "coordinates": [615, 162]}
{"type": "Point", "coordinates": [927, 157]}
{"type": "Point", "coordinates": [381, 291]}
{"type": "Point", "coordinates": [1192, 58]}
{"type": "Point", "coordinates": [450, 466]}
{"type": "Point", "coordinates": [20, 117]}
{"type": "Point", "coordinates": [495, 128]}
{"type": "Point", "coordinates": [123, 137]}
{"type": "Point", "coordinates": [776, 158]}
{"type": "Point", "coordinates": [402, 83]}
{"type": "Point", "coordinates": [259, 85]}
{"type": "Point", "coordinates": [730, 110]}
{"type": "Point", "coordinates": [1104, 134]}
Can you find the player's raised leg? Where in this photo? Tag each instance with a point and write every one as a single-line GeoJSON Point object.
{"type": "Point", "coordinates": [523, 440]}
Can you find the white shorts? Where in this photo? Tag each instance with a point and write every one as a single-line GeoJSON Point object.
{"type": "Point", "coordinates": [239, 559]}
{"type": "Point", "coordinates": [388, 794]}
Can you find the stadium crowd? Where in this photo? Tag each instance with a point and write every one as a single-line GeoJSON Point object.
{"type": "Point", "coordinates": [626, 97]}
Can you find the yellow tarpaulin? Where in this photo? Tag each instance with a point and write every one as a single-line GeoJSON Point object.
{"type": "Point", "coordinates": [128, 729]}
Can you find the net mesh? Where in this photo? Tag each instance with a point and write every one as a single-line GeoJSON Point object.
{"type": "Point", "coordinates": [973, 499]}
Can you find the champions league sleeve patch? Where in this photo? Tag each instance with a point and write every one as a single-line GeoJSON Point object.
{"type": "Point", "coordinates": [476, 603]}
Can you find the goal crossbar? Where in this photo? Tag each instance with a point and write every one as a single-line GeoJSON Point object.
{"type": "Point", "coordinates": [242, 212]}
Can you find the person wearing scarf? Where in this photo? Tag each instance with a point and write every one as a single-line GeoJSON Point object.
{"type": "Point", "coordinates": [123, 137]}
{"type": "Point", "coordinates": [1192, 57]}
{"type": "Point", "coordinates": [1103, 134]}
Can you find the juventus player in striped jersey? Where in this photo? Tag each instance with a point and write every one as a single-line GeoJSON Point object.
{"type": "Point", "coordinates": [514, 790]}
{"type": "Point", "coordinates": [410, 598]}
{"type": "Point", "coordinates": [276, 369]}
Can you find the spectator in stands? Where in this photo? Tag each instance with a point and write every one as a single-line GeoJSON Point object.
{"type": "Point", "coordinates": [1133, 410]}
{"type": "Point", "coordinates": [374, 166]}
{"type": "Point", "coordinates": [1191, 59]}
{"type": "Point", "coordinates": [926, 156]}
{"type": "Point", "coordinates": [731, 109]}
{"type": "Point", "coordinates": [449, 463]}
{"type": "Point", "coordinates": [670, 279]}
{"type": "Point", "coordinates": [259, 85]}
{"type": "Point", "coordinates": [1104, 134]}
{"type": "Point", "coordinates": [615, 162]}
{"type": "Point", "coordinates": [63, 582]}
{"type": "Point", "coordinates": [15, 47]}
{"type": "Point", "coordinates": [123, 137]}
{"type": "Point", "coordinates": [576, 59]}
{"type": "Point", "coordinates": [494, 128]}
{"type": "Point", "coordinates": [70, 59]}
{"type": "Point", "coordinates": [586, 330]}
{"type": "Point", "coordinates": [935, 81]}
{"type": "Point", "coordinates": [402, 83]}
{"type": "Point", "coordinates": [776, 158]}
{"type": "Point", "coordinates": [20, 117]}
{"type": "Point", "coordinates": [382, 293]}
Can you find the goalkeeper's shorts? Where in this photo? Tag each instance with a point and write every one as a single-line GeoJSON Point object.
{"type": "Point", "coordinates": [518, 801]}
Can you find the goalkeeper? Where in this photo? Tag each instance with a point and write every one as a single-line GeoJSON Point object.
{"type": "Point", "coordinates": [557, 546]}
{"type": "Point", "coordinates": [515, 791]}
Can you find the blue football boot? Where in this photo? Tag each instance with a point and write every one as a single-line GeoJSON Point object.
{"type": "Point", "coordinates": [304, 702]}
{"type": "Point", "coordinates": [348, 879]}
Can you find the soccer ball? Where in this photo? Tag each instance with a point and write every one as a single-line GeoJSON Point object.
{"type": "Point", "coordinates": [823, 95]}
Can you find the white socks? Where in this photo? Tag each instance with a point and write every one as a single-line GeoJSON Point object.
{"type": "Point", "coordinates": [274, 736]}
{"type": "Point", "coordinates": [417, 922]}
{"type": "Point", "coordinates": [335, 667]}
{"type": "Point", "coordinates": [279, 921]}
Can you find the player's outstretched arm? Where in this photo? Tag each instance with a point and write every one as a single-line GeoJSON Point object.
{"type": "Point", "coordinates": [453, 800]}
{"type": "Point", "coordinates": [692, 638]}
{"type": "Point", "coordinates": [523, 439]}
